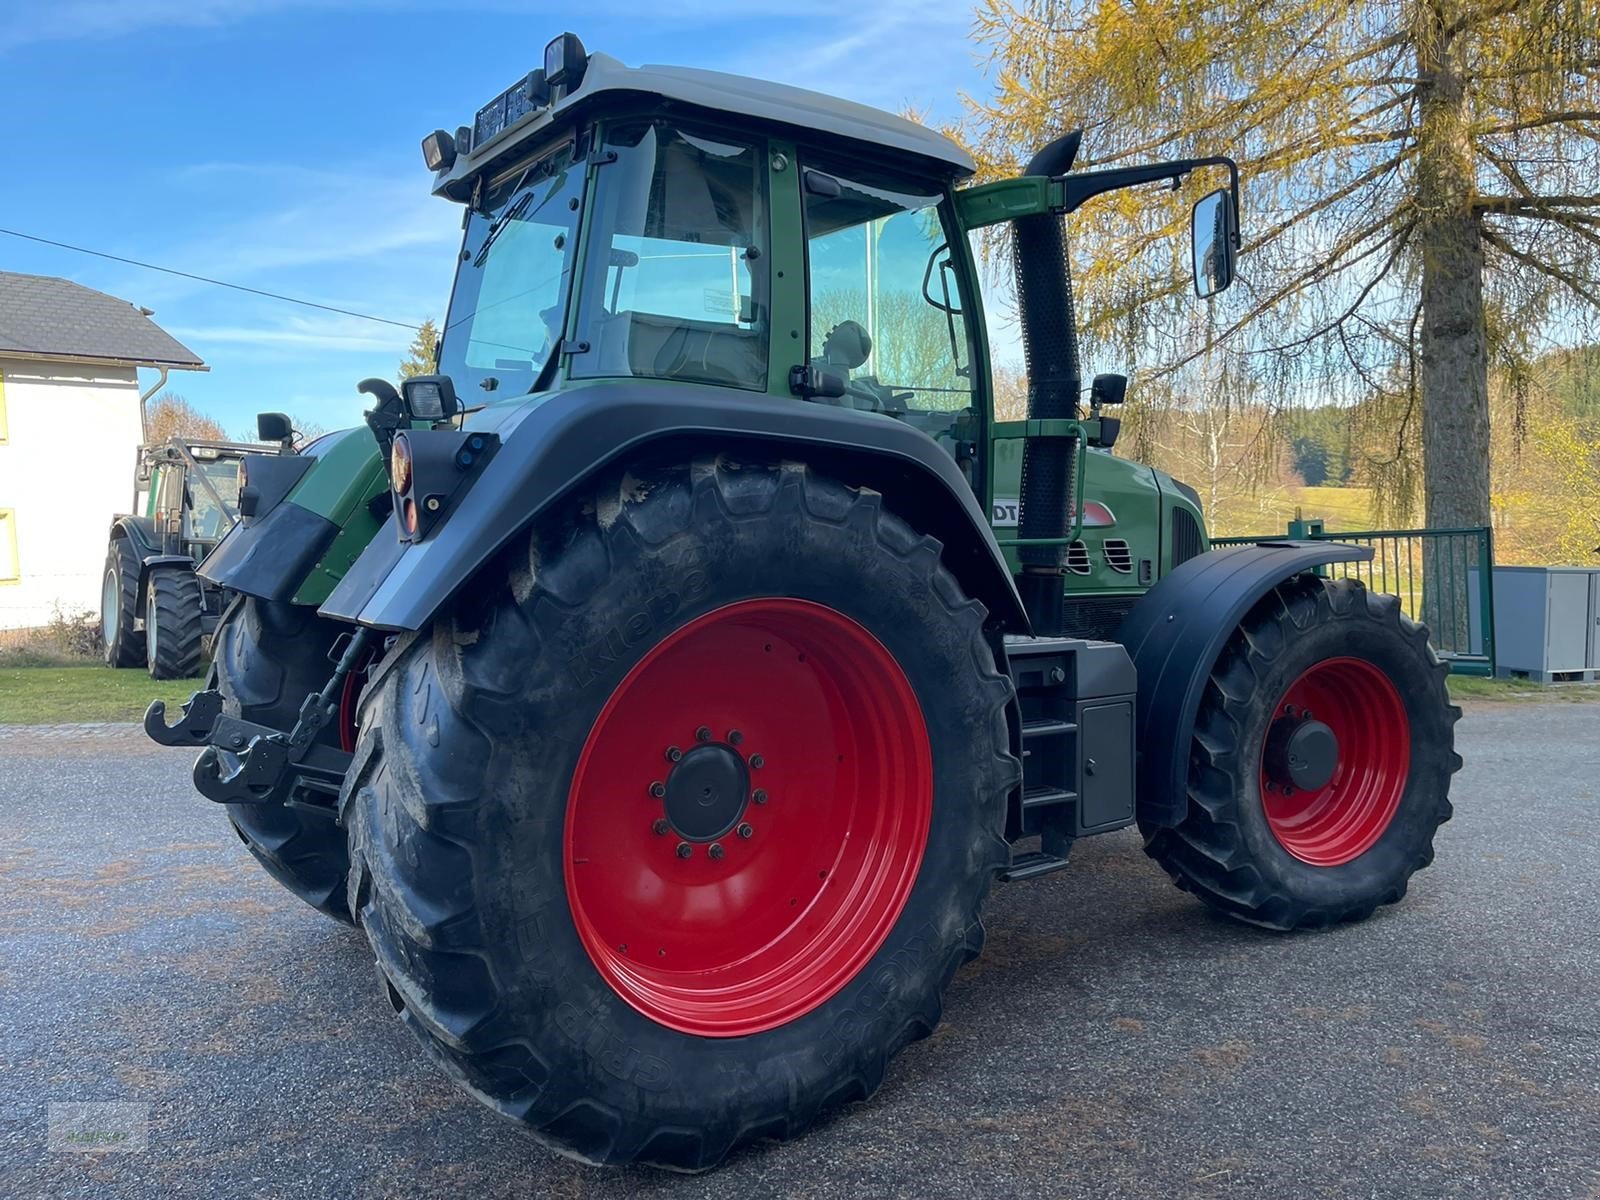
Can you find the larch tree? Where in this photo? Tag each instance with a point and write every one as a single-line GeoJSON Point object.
{"type": "Point", "coordinates": [1421, 200]}
{"type": "Point", "coordinates": [422, 354]}
{"type": "Point", "coordinates": [169, 415]}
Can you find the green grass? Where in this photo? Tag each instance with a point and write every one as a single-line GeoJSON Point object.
{"type": "Point", "coordinates": [1472, 687]}
{"type": "Point", "coordinates": [66, 695]}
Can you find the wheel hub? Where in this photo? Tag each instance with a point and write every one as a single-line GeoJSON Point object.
{"type": "Point", "coordinates": [706, 792]}
{"type": "Point", "coordinates": [1301, 752]}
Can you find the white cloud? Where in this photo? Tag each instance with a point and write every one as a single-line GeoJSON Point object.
{"type": "Point", "coordinates": [349, 339]}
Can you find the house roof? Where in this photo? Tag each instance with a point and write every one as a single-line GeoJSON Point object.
{"type": "Point", "coordinates": [45, 317]}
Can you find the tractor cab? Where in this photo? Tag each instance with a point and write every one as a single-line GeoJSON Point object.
{"type": "Point", "coordinates": [685, 227]}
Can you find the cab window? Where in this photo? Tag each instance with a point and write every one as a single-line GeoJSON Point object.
{"type": "Point", "coordinates": [885, 302]}
{"type": "Point", "coordinates": [675, 278]}
{"type": "Point", "coordinates": [509, 303]}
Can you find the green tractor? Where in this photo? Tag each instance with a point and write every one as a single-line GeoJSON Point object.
{"type": "Point", "coordinates": [662, 685]}
{"type": "Point", "coordinates": [155, 611]}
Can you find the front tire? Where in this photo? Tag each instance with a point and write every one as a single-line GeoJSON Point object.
{"type": "Point", "coordinates": [174, 628]}
{"type": "Point", "coordinates": [1320, 764]}
{"type": "Point", "coordinates": [756, 660]}
{"type": "Point", "coordinates": [267, 658]}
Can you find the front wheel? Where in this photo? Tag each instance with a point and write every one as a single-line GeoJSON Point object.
{"type": "Point", "coordinates": [1321, 761]}
{"type": "Point", "coordinates": [671, 836]}
{"type": "Point", "coordinates": [174, 628]}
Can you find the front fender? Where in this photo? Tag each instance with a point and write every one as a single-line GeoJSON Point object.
{"type": "Point", "coordinates": [556, 443]}
{"type": "Point", "coordinates": [1176, 633]}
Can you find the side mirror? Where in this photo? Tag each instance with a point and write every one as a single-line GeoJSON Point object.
{"type": "Point", "coordinates": [1211, 236]}
{"type": "Point", "coordinates": [273, 427]}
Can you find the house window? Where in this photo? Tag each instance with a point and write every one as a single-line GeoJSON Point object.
{"type": "Point", "coordinates": [10, 571]}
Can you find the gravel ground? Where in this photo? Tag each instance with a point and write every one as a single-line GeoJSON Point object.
{"type": "Point", "coordinates": [1113, 1039]}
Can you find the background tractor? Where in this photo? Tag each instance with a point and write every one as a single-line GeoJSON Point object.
{"type": "Point", "coordinates": [154, 609]}
{"type": "Point", "coordinates": [662, 684]}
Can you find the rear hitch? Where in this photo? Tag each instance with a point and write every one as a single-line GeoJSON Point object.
{"type": "Point", "coordinates": [200, 713]}
{"type": "Point", "coordinates": [247, 763]}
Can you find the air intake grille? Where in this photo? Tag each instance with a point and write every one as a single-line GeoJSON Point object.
{"type": "Point", "coordinates": [1078, 559]}
{"type": "Point", "coordinates": [1095, 617]}
{"type": "Point", "coordinates": [1186, 539]}
{"type": "Point", "coordinates": [1118, 556]}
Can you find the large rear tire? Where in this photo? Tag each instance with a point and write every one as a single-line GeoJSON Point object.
{"type": "Point", "coordinates": [174, 627]}
{"type": "Point", "coordinates": [267, 658]}
{"type": "Point", "coordinates": [671, 834]}
{"type": "Point", "coordinates": [1321, 761]}
{"type": "Point", "coordinates": [121, 644]}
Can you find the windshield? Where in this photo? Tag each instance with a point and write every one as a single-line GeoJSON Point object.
{"type": "Point", "coordinates": [206, 519]}
{"type": "Point", "coordinates": [510, 298]}
{"type": "Point", "coordinates": [676, 278]}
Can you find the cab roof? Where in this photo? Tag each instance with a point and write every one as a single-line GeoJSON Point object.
{"type": "Point", "coordinates": [799, 109]}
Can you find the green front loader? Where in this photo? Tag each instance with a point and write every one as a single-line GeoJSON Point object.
{"type": "Point", "coordinates": [662, 684]}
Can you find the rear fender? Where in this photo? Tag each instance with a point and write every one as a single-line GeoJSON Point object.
{"type": "Point", "coordinates": [1176, 633]}
{"type": "Point", "coordinates": [309, 520]}
{"type": "Point", "coordinates": [557, 443]}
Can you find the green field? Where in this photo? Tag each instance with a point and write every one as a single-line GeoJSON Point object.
{"type": "Point", "coordinates": [68, 695]}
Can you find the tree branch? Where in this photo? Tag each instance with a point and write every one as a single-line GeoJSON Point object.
{"type": "Point", "coordinates": [1550, 270]}
{"type": "Point", "coordinates": [1513, 206]}
{"type": "Point", "coordinates": [1581, 114]}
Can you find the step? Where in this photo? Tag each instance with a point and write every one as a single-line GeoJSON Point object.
{"type": "Point", "coordinates": [1046, 797]}
{"type": "Point", "coordinates": [1031, 865]}
{"type": "Point", "coordinates": [1047, 727]}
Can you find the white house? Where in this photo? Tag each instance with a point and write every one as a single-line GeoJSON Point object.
{"type": "Point", "coordinates": [69, 435]}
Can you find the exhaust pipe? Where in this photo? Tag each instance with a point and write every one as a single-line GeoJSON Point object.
{"type": "Point", "coordinates": [1050, 349]}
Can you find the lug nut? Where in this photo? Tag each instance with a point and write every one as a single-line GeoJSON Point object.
{"type": "Point", "coordinates": [757, 761]}
{"type": "Point", "coordinates": [660, 827]}
{"type": "Point", "coordinates": [760, 796]}
{"type": "Point", "coordinates": [658, 788]}
{"type": "Point", "coordinates": [703, 734]}
{"type": "Point", "coordinates": [745, 829]}
{"type": "Point", "coordinates": [716, 849]}
{"type": "Point", "coordinates": [684, 849]}
{"type": "Point", "coordinates": [735, 737]}
{"type": "Point", "coordinates": [673, 754]}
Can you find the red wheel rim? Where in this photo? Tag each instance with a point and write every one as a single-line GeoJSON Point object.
{"type": "Point", "coordinates": [349, 702]}
{"type": "Point", "coordinates": [1339, 820]}
{"type": "Point", "coordinates": [723, 932]}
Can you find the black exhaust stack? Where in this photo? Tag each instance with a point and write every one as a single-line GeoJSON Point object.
{"type": "Point", "coordinates": [1050, 347]}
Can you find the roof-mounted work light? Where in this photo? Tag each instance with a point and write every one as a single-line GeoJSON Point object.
{"type": "Point", "coordinates": [565, 61]}
{"type": "Point", "coordinates": [439, 150]}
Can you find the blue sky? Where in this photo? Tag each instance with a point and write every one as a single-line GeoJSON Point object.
{"type": "Point", "coordinates": [274, 143]}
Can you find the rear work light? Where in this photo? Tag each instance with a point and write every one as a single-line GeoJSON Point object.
{"type": "Point", "coordinates": [400, 464]}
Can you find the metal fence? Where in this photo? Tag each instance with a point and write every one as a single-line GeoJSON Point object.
{"type": "Point", "coordinates": [1443, 577]}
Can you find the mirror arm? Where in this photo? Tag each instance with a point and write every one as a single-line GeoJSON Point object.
{"type": "Point", "coordinates": [1077, 189]}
